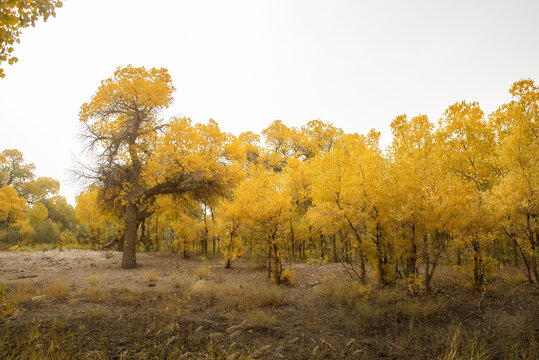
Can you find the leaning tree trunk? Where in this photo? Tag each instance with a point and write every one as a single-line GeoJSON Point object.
{"type": "Point", "coordinates": [129, 260]}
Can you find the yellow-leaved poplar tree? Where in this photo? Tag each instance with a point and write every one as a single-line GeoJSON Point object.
{"type": "Point", "coordinates": [262, 203]}
{"type": "Point", "coordinates": [516, 196]}
{"type": "Point", "coordinates": [466, 149]}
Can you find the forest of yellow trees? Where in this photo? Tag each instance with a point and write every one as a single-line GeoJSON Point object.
{"type": "Point", "coordinates": [462, 190]}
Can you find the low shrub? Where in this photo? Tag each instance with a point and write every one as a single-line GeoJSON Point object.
{"type": "Point", "coordinates": [96, 294]}
{"type": "Point", "coordinates": [149, 276]}
{"type": "Point", "coordinates": [203, 271]}
{"type": "Point", "coordinates": [258, 319]}
{"type": "Point", "coordinates": [23, 292]}
{"type": "Point", "coordinates": [342, 292]}
{"type": "Point", "coordinates": [58, 288]}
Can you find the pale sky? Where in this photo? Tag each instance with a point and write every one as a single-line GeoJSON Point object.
{"type": "Point", "coordinates": [356, 64]}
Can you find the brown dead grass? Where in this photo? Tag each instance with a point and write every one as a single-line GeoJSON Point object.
{"type": "Point", "coordinates": [96, 294]}
{"type": "Point", "coordinates": [57, 288]}
{"type": "Point", "coordinates": [149, 276]}
{"type": "Point", "coordinates": [420, 309]}
{"type": "Point", "coordinates": [203, 271]}
{"type": "Point", "coordinates": [342, 292]}
{"type": "Point", "coordinates": [240, 295]}
{"type": "Point", "coordinates": [181, 281]}
{"type": "Point", "coordinates": [23, 292]}
{"type": "Point", "coordinates": [172, 310]}
{"type": "Point", "coordinates": [94, 280]}
{"type": "Point", "coordinates": [129, 297]}
{"type": "Point", "coordinates": [209, 291]}
{"type": "Point", "coordinates": [258, 319]}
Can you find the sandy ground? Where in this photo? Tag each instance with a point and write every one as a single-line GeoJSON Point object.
{"type": "Point", "coordinates": [75, 266]}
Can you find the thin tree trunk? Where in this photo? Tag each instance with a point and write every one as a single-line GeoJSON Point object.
{"type": "Point", "coordinates": [157, 242]}
{"type": "Point", "coordinates": [335, 257]}
{"type": "Point", "coordinates": [269, 259]}
{"type": "Point", "coordinates": [533, 264]}
{"type": "Point", "coordinates": [278, 270]}
{"type": "Point", "coordinates": [412, 261]}
{"type": "Point", "coordinates": [292, 239]}
{"type": "Point", "coordinates": [515, 254]}
{"type": "Point", "coordinates": [381, 280]}
{"type": "Point", "coordinates": [525, 261]}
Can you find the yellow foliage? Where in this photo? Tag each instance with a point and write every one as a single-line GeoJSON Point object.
{"type": "Point", "coordinates": [12, 207]}
{"type": "Point", "coordinates": [37, 214]}
{"type": "Point", "coordinates": [229, 226]}
{"type": "Point", "coordinates": [17, 15]}
{"type": "Point", "coordinates": [187, 230]}
{"type": "Point", "coordinates": [95, 219]}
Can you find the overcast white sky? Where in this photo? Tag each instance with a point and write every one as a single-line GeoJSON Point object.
{"type": "Point", "coordinates": [356, 64]}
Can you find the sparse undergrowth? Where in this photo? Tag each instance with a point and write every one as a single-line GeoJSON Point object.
{"type": "Point", "coordinates": [240, 314]}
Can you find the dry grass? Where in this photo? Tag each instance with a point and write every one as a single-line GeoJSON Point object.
{"type": "Point", "coordinates": [181, 281]}
{"type": "Point", "coordinates": [172, 310]}
{"type": "Point", "coordinates": [468, 349]}
{"type": "Point", "coordinates": [129, 297]}
{"type": "Point", "coordinates": [509, 326]}
{"type": "Point", "coordinates": [258, 319]}
{"type": "Point", "coordinates": [94, 280]}
{"type": "Point", "coordinates": [523, 351]}
{"type": "Point", "coordinates": [342, 292]}
{"type": "Point", "coordinates": [58, 288]}
{"type": "Point", "coordinates": [23, 292]}
{"type": "Point", "coordinates": [267, 295]}
{"type": "Point", "coordinates": [367, 313]}
{"type": "Point", "coordinates": [240, 295]}
{"type": "Point", "coordinates": [149, 276]}
{"type": "Point", "coordinates": [209, 290]}
{"type": "Point", "coordinates": [219, 278]}
{"type": "Point", "coordinates": [96, 294]}
{"type": "Point", "coordinates": [360, 310]}
{"type": "Point", "coordinates": [203, 271]}
{"type": "Point", "coordinates": [75, 301]}
{"type": "Point", "coordinates": [358, 319]}
{"type": "Point", "coordinates": [420, 309]}
{"type": "Point", "coordinates": [512, 279]}
{"type": "Point", "coordinates": [390, 296]}
{"type": "Point", "coordinates": [251, 296]}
